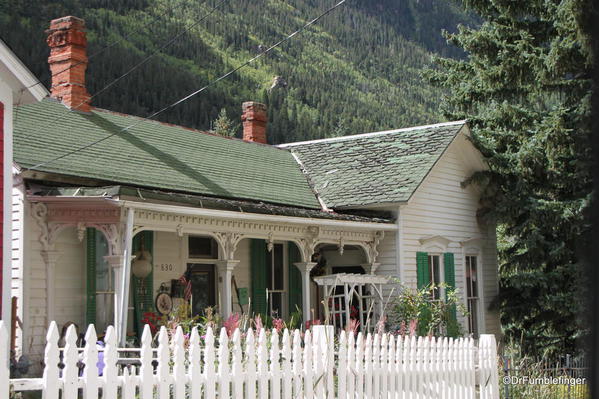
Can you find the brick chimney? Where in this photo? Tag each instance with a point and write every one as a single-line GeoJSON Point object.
{"type": "Point", "coordinates": [254, 120]}
{"type": "Point", "coordinates": [68, 61]}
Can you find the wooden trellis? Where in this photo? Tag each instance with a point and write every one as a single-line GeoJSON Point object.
{"type": "Point", "coordinates": [361, 294]}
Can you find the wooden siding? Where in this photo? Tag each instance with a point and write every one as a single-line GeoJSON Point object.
{"type": "Point", "coordinates": [442, 207]}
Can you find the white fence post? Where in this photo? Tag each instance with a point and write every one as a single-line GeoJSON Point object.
{"type": "Point", "coordinates": [489, 375]}
{"type": "Point", "coordinates": [110, 375]}
{"type": "Point", "coordinates": [4, 361]}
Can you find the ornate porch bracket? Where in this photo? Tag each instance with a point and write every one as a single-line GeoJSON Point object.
{"type": "Point", "coordinates": [228, 242]}
{"type": "Point", "coordinates": [372, 251]}
{"type": "Point", "coordinates": [308, 243]}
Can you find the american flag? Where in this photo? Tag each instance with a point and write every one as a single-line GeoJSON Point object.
{"type": "Point", "coordinates": [187, 284]}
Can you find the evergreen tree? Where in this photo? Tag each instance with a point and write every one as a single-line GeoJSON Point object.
{"type": "Point", "coordinates": [525, 87]}
{"type": "Point", "coordinates": [223, 126]}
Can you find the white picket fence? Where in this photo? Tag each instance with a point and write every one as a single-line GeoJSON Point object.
{"type": "Point", "coordinates": [264, 366]}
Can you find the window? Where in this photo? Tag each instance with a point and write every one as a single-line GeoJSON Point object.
{"type": "Point", "coordinates": [434, 271]}
{"type": "Point", "coordinates": [472, 294]}
{"type": "Point", "coordinates": [202, 247]}
{"type": "Point", "coordinates": [275, 281]}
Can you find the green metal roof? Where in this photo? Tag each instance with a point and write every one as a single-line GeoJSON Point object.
{"type": "Point", "coordinates": [156, 155]}
{"type": "Point", "coordinates": [373, 168]}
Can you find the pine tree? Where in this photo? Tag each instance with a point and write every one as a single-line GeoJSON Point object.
{"type": "Point", "coordinates": [223, 126]}
{"type": "Point", "coordinates": [525, 87]}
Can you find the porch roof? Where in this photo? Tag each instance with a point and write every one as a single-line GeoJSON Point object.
{"type": "Point", "coordinates": [198, 201]}
{"type": "Point", "coordinates": [155, 155]}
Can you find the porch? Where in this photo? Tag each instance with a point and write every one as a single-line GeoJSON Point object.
{"type": "Point", "coordinates": [127, 250]}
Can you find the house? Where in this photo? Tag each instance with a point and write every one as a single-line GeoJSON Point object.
{"type": "Point", "coordinates": [18, 86]}
{"type": "Point", "coordinates": [247, 223]}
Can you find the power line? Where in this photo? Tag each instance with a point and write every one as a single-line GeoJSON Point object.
{"type": "Point", "coordinates": [139, 64]}
{"type": "Point", "coordinates": [112, 44]}
{"type": "Point", "coordinates": [196, 92]}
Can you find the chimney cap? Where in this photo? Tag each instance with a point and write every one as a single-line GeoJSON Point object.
{"type": "Point", "coordinates": [68, 22]}
{"type": "Point", "coordinates": [252, 110]}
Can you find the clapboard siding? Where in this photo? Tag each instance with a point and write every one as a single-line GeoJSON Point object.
{"type": "Point", "coordinates": [441, 206]}
{"type": "Point", "coordinates": [17, 284]}
{"type": "Point", "coordinates": [69, 279]}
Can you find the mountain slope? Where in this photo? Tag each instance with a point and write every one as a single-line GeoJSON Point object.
{"type": "Point", "coordinates": [357, 70]}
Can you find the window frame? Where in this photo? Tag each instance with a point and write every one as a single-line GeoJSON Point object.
{"type": "Point", "coordinates": [473, 247]}
{"type": "Point", "coordinates": [285, 291]}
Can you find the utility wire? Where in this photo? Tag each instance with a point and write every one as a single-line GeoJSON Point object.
{"type": "Point", "coordinates": [112, 44]}
{"type": "Point", "coordinates": [138, 65]}
{"type": "Point", "coordinates": [194, 93]}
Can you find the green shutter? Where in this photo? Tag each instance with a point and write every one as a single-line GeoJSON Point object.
{"type": "Point", "coordinates": [423, 277]}
{"type": "Point", "coordinates": [449, 266]}
{"type": "Point", "coordinates": [295, 279]}
{"type": "Point", "coordinates": [143, 294]}
{"type": "Point", "coordinates": [90, 304]}
{"type": "Point", "coordinates": [258, 275]}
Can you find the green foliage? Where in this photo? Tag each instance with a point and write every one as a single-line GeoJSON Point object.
{"type": "Point", "coordinates": [357, 70]}
{"type": "Point", "coordinates": [224, 126]}
{"type": "Point", "coordinates": [525, 87]}
{"type": "Point", "coordinates": [414, 312]}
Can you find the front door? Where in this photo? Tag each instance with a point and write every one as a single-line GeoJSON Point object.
{"type": "Point", "coordinates": [203, 291]}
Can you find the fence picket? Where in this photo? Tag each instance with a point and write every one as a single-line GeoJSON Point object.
{"type": "Point", "coordinates": [317, 365]}
{"type": "Point", "coordinates": [368, 367]}
{"type": "Point", "coordinates": [195, 364]}
{"type": "Point", "coordinates": [128, 387]}
{"type": "Point", "coordinates": [308, 381]}
{"type": "Point", "coordinates": [262, 366]}
{"type": "Point", "coordinates": [237, 367]}
{"type": "Point", "coordinates": [90, 360]}
{"type": "Point", "coordinates": [391, 369]}
{"type": "Point", "coordinates": [384, 366]}
{"type": "Point", "coordinates": [275, 371]}
{"type": "Point", "coordinates": [224, 376]}
{"type": "Point", "coordinates": [179, 377]}
{"type": "Point", "coordinates": [297, 366]}
{"type": "Point", "coordinates": [70, 373]}
{"type": "Point", "coordinates": [376, 361]}
{"type": "Point", "coordinates": [51, 360]}
{"type": "Point", "coordinates": [250, 365]}
{"type": "Point", "coordinates": [163, 366]}
{"type": "Point", "coordinates": [341, 367]}
{"type": "Point", "coordinates": [146, 370]}
{"type": "Point", "coordinates": [350, 366]}
{"type": "Point", "coordinates": [286, 367]}
{"type": "Point", "coordinates": [110, 377]}
{"type": "Point", "coordinates": [209, 371]}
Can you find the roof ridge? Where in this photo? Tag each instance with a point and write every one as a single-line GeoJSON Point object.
{"type": "Point", "coordinates": [191, 129]}
{"type": "Point", "coordinates": [372, 134]}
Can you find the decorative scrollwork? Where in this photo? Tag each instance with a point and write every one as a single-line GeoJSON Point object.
{"type": "Point", "coordinates": [372, 248]}
{"type": "Point", "coordinates": [308, 243]}
{"type": "Point", "coordinates": [228, 242]}
{"type": "Point", "coordinates": [270, 242]}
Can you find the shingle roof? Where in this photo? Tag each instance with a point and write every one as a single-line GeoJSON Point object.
{"type": "Point", "coordinates": [156, 155]}
{"type": "Point", "coordinates": [373, 168]}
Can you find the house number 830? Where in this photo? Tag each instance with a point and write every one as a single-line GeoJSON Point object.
{"type": "Point", "coordinates": [166, 267]}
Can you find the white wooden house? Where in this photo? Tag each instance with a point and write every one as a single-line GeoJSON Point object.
{"type": "Point", "coordinates": [211, 208]}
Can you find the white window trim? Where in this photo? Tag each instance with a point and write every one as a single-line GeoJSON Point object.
{"type": "Point", "coordinates": [437, 245]}
{"type": "Point", "coordinates": [473, 247]}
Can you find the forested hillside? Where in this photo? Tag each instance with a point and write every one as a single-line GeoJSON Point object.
{"type": "Point", "coordinates": [357, 70]}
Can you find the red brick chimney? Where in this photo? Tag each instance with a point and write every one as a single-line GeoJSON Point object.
{"type": "Point", "coordinates": [68, 61]}
{"type": "Point", "coordinates": [254, 120]}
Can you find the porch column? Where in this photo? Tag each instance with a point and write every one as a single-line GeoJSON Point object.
{"type": "Point", "coordinates": [304, 268]}
{"type": "Point", "coordinates": [125, 279]}
{"type": "Point", "coordinates": [50, 258]}
{"type": "Point", "coordinates": [115, 262]}
{"type": "Point", "coordinates": [370, 268]}
{"type": "Point", "coordinates": [225, 273]}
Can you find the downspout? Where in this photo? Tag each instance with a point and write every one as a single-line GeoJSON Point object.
{"type": "Point", "coordinates": [125, 279]}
